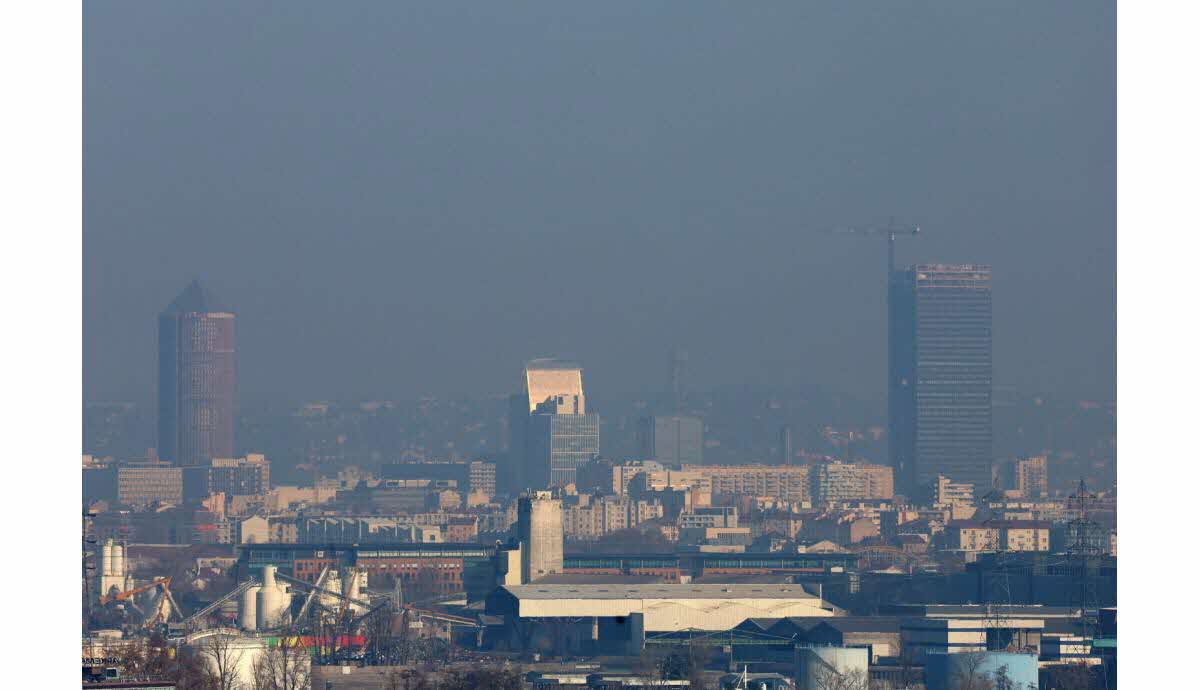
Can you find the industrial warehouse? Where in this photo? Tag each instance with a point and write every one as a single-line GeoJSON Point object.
{"type": "Point", "coordinates": [617, 617]}
{"type": "Point", "coordinates": [790, 616]}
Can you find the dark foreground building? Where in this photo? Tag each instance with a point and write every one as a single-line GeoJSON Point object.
{"type": "Point", "coordinates": [197, 379]}
{"type": "Point", "coordinates": [940, 374]}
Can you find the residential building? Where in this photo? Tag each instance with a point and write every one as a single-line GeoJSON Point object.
{"type": "Point", "coordinates": [142, 483]}
{"type": "Point", "coordinates": [687, 488]}
{"type": "Point", "coordinates": [789, 483]}
{"type": "Point", "coordinates": [940, 374]}
{"type": "Point", "coordinates": [1030, 478]}
{"type": "Point", "coordinates": [838, 482]}
{"type": "Point", "coordinates": [879, 482]}
{"type": "Point", "coordinates": [197, 379]}
{"type": "Point", "coordinates": [589, 517]}
{"type": "Point", "coordinates": [245, 476]}
{"type": "Point", "coordinates": [840, 529]}
{"type": "Point", "coordinates": [482, 478]}
{"type": "Point", "coordinates": [706, 517]}
{"type": "Point", "coordinates": [999, 535]}
{"type": "Point", "coordinates": [461, 530]}
{"type": "Point", "coordinates": [672, 440]}
{"type": "Point", "coordinates": [614, 477]}
{"type": "Point", "coordinates": [945, 492]}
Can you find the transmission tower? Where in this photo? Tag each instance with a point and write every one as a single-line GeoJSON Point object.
{"type": "Point", "coordinates": [89, 542]}
{"type": "Point", "coordinates": [994, 583]}
{"type": "Point", "coordinates": [1082, 552]}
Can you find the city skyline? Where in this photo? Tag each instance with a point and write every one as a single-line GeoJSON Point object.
{"type": "Point", "coordinates": [624, 205]}
{"type": "Point", "coordinates": [552, 346]}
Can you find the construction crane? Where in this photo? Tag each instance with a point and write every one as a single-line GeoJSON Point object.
{"type": "Point", "coordinates": [338, 595]}
{"type": "Point", "coordinates": [891, 231]}
{"type": "Point", "coordinates": [312, 593]}
{"type": "Point", "coordinates": [130, 593]}
{"type": "Point", "coordinates": [156, 615]}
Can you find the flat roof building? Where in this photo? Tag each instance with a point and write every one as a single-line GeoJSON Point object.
{"type": "Point", "coordinates": [664, 607]}
{"type": "Point", "coordinates": [940, 374]}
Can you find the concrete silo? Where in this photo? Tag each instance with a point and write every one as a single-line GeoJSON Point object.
{"type": "Point", "coordinates": [106, 551]}
{"type": "Point", "coordinates": [118, 561]}
{"type": "Point", "coordinates": [271, 601]}
{"type": "Point", "coordinates": [248, 608]}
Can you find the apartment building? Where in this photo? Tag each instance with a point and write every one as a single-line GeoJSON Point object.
{"type": "Point", "coordinates": [790, 483]}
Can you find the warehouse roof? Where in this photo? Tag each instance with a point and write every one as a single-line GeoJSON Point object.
{"type": "Point", "coordinates": [658, 591]}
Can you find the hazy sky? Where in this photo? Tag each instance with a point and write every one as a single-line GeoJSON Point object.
{"type": "Point", "coordinates": [405, 198]}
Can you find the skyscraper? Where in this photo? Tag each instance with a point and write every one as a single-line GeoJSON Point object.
{"type": "Point", "coordinates": [671, 440]}
{"type": "Point", "coordinates": [940, 374]}
{"type": "Point", "coordinates": [550, 432]}
{"type": "Point", "coordinates": [197, 379]}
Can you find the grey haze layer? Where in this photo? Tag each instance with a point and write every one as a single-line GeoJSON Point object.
{"type": "Point", "coordinates": [416, 198]}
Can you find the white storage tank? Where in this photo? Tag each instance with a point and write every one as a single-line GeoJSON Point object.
{"type": "Point", "coordinates": [248, 608]}
{"type": "Point", "coordinates": [272, 600]}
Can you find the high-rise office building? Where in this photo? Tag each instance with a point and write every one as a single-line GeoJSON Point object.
{"type": "Point", "coordinates": [197, 379]}
{"type": "Point", "coordinates": [549, 430]}
{"type": "Point", "coordinates": [560, 444]}
{"type": "Point", "coordinates": [940, 374]}
{"type": "Point", "coordinates": [671, 440]}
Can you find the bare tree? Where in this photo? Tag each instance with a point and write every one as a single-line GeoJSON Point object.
{"type": "Point", "coordinates": [1076, 676]}
{"type": "Point", "coordinates": [698, 657]}
{"type": "Point", "coordinates": [1002, 680]}
{"type": "Point", "coordinates": [830, 678]}
{"type": "Point", "coordinates": [222, 657]}
{"type": "Point", "coordinates": [970, 675]}
{"type": "Point", "coordinates": [652, 665]}
{"type": "Point", "coordinates": [191, 672]}
{"type": "Point", "coordinates": [285, 666]}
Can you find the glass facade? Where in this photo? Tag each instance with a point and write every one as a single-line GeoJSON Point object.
{"type": "Point", "coordinates": [559, 444]}
{"type": "Point", "coordinates": [940, 375]}
{"type": "Point", "coordinates": [672, 440]}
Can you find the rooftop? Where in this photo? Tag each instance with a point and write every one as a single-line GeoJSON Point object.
{"type": "Point", "coordinates": [196, 298]}
{"type": "Point", "coordinates": [658, 591]}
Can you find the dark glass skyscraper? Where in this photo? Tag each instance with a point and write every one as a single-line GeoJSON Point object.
{"type": "Point", "coordinates": [940, 374]}
{"type": "Point", "coordinates": [671, 440]}
{"type": "Point", "coordinates": [197, 379]}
